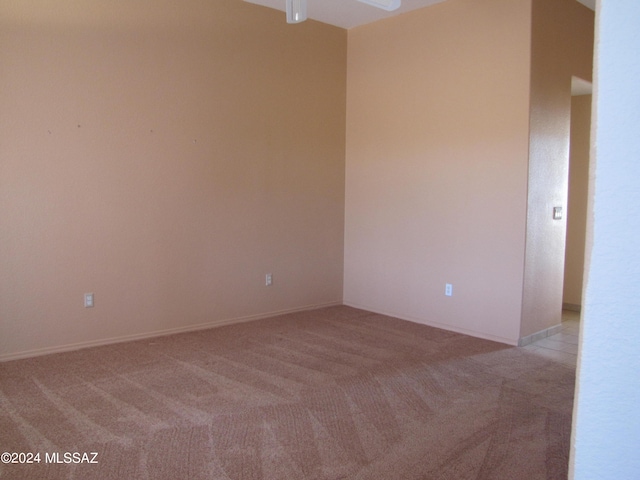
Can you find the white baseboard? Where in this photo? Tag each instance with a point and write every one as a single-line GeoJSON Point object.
{"type": "Point", "coordinates": [158, 333]}
{"type": "Point", "coordinates": [571, 307]}
{"type": "Point", "coordinates": [441, 326]}
{"type": "Point", "coordinates": [534, 337]}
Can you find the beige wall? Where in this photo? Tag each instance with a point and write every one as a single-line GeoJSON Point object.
{"type": "Point", "coordinates": [165, 156]}
{"type": "Point", "coordinates": [577, 202]}
{"type": "Point", "coordinates": [437, 146]}
{"type": "Point", "coordinates": [562, 46]}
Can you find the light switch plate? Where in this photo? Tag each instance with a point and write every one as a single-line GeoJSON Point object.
{"type": "Point", "coordinates": [557, 213]}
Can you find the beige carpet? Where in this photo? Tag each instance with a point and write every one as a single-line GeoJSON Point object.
{"type": "Point", "coordinates": [336, 393]}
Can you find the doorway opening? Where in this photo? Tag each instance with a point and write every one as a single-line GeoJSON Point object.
{"type": "Point", "coordinates": [578, 194]}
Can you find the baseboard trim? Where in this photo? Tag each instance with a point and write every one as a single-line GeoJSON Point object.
{"type": "Point", "coordinates": [449, 328]}
{"type": "Point", "coordinates": [158, 333]}
{"type": "Point", "coordinates": [534, 337]}
{"type": "Point", "coordinates": [572, 307]}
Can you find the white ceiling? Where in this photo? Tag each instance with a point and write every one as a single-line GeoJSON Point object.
{"type": "Point", "coordinates": [347, 13]}
{"type": "Point", "coordinates": [589, 3]}
{"type": "Point", "coordinates": [352, 13]}
{"type": "Point", "coordinates": [580, 87]}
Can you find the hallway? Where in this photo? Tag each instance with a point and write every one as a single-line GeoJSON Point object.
{"type": "Point", "coordinates": [563, 346]}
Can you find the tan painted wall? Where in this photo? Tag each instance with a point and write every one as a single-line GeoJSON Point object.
{"type": "Point", "coordinates": [437, 146]}
{"type": "Point", "coordinates": [165, 156]}
{"type": "Point", "coordinates": [577, 203]}
{"type": "Point", "coordinates": [562, 46]}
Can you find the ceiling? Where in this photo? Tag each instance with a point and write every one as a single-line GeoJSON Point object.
{"type": "Point", "coordinates": [589, 3]}
{"type": "Point", "coordinates": [580, 87]}
{"type": "Point", "coordinates": [352, 13]}
{"type": "Point", "coordinates": [347, 13]}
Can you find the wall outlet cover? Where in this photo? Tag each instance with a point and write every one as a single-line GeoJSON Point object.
{"type": "Point", "coordinates": [88, 300]}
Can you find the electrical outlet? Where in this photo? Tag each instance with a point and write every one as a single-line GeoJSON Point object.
{"type": "Point", "coordinates": [88, 300]}
{"type": "Point", "coordinates": [268, 279]}
{"type": "Point", "coordinates": [448, 289]}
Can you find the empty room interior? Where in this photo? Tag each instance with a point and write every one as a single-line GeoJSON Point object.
{"type": "Point", "coordinates": [200, 202]}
